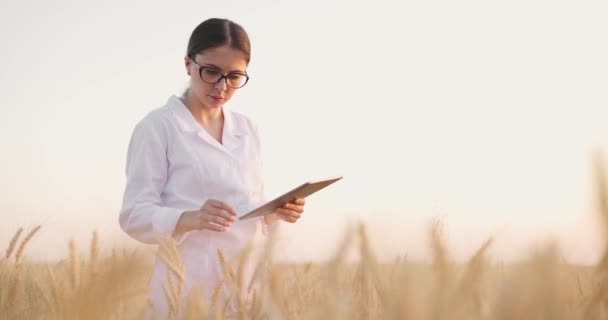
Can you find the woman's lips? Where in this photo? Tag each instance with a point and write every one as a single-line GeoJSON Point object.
{"type": "Point", "coordinates": [216, 98]}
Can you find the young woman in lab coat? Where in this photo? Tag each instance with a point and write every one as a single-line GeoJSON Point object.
{"type": "Point", "coordinates": [193, 166]}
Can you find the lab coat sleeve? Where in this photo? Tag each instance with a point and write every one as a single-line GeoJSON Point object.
{"type": "Point", "coordinates": [142, 215]}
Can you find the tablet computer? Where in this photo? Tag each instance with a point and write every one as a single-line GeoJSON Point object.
{"type": "Point", "coordinates": [302, 191]}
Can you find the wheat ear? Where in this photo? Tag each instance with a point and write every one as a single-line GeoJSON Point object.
{"type": "Point", "coordinates": [13, 243]}
{"type": "Point", "coordinates": [24, 243]}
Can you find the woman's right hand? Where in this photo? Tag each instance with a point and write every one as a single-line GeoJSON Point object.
{"type": "Point", "coordinates": [214, 215]}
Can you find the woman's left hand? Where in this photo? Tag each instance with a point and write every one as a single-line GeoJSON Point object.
{"type": "Point", "coordinates": [288, 212]}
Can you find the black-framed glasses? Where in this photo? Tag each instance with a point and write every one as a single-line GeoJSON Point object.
{"type": "Point", "coordinates": [212, 75]}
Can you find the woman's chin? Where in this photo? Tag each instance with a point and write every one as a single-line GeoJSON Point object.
{"type": "Point", "coordinates": [214, 104]}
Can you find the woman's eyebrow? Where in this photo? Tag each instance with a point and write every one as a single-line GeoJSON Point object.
{"type": "Point", "coordinates": [220, 69]}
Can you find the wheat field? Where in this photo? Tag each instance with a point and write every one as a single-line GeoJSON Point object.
{"type": "Point", "coordinates": [114, 285]}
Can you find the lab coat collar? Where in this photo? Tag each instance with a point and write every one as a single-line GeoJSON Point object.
{"type": "Point", "coordinates": [232, 132]}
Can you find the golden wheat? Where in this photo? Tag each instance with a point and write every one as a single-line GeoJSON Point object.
{"type": "Point", "coordinates": [544, 286]}
{"type": "Point", "coordinates": [13, 243]}
{"type": "Point", "coordinates": [24, 243]}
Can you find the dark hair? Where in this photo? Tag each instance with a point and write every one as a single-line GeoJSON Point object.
{"type": "Point", "coordinates": [216, 32]}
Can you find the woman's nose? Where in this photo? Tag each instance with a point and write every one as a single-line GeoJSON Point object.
{"type": "Point", "coordinates": [221, 85]}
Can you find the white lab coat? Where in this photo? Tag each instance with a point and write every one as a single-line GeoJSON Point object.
{"type": "Point", "coordinates": [174, 165]}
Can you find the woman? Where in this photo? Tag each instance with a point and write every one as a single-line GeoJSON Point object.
{"type": "Point", "coordinates": [193, 166]}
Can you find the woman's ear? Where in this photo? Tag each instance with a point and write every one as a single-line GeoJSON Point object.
{"type": "Point", "coordinates": [187, 64]}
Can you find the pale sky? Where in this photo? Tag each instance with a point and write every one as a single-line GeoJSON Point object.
{"type": "Point", "coordinates": [481, 113]}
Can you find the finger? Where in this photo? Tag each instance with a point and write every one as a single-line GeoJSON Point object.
{"type": "Point", "coordinates": [224, 206]}
{"type": "Point", "coordinates": [293, 207]}
{"type": "Point", "coordinates": [211, 203]}
{"type": "Point", "coordinates": [287, 217]}
{"type": "Point", "coordinates": [213, 227]}
{"type": "Point", "coordinates": [220, 221]}
{"type": "Point", "coordinates": [221, 213]}
{"type": "Point", "coordinates": [282, 217]}
{"type": "Point", "coordinates": [208, 217]}
{"type": "Point", "coordinates": [299, 201]}
{"type": "Point", "coordinates": [288, 213]}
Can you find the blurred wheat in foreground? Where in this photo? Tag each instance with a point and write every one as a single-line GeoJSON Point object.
{"type": "Point", "coordinates": [114, 287]}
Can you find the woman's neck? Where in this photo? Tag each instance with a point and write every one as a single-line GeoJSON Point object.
{"type": "Point", "coordinates": [206, 117]}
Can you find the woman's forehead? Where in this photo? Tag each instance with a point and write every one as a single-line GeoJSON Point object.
{"type": "Point", "coordinates": [224, 58]}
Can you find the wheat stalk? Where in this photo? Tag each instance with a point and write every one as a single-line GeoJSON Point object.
{"type": "Point", "coordinates": [216, 293]}
{"type": "Point", "coordinates": [171, 303]}
{"type": "Point", "coordinates": [225, 308]}
{"type": "Point", "coordinates": [55, 290]}
{"type": "Point", "coordinates": [168, 253]}
{"type": "Point", "coordinates": [13, 292]}
{"type": "Point", "coordinates": [13, 243]}
{"type": "Point", "coordinates": [24, 243]}
{"type": "Point", "coordinates": [224, 265]}
{"type": "Point", "coordinates": [170, 256]}
{"type": "Point", "coordinates": [194, 307]}
{"type": "Point", "coordinates": [244, 257]}
{"type": "Point", "coordinates": [94, 253]}
{"type": "Point", "coordinates": [253, 278]}
{"type": "Point", "coordinates": [74, 265]}
{"type": "Point", "coordinates": [253, 309]}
